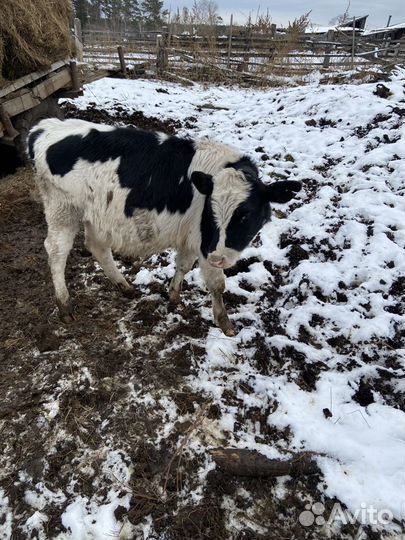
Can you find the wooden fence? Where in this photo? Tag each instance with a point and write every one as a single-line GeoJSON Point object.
{"type": "Point", "coordinates": [246, 56]}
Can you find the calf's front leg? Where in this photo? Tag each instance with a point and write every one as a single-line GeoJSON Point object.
{"type": "Point", "coordinates": [184, 263]}
{"type": "Point", "coordinates": [215, 281]}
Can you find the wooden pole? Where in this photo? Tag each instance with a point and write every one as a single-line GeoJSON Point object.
{"type": "Point", "coordinates": [78, 29]}
{"type": "Point", "coordinates": [385, 36]}
{"type": "Point", "coordinates": [78, 38]}
{"type": "Point", "coordinates": [353, 40]}
{"type": "Point", "coordinates": [230, 41]}
{"type": "Point", "coordinates": [76, 86]}
{"type": "Point", "coordinates": [122, 60]}
{"type": "Point", "coordinates": [162, 58]}
{"type": "Point", "coordinates": [326, 60]}
{"type": "Point", "coordinates": [248, 45]}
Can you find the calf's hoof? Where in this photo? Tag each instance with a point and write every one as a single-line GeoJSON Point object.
{"type": "Point", "coordinates": [225, 325]}
{"type": "Point", "coordinates": [128, 291]}
{"type": "Point", "coordinates": [66, 312]}
{"type": "Point", "coordinates": [175, 300]}
{"type": "Point", "coordinates": [230, 331]}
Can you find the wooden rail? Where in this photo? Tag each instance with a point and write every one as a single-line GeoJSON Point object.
{"type": "Point", "coordinates": [237, 52]}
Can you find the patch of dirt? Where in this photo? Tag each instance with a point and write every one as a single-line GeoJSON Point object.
{"type": "Point", "coordinates": [80, 372]}
{"type": "Point", "coordinates": [118, 115]}
{"type": "Point", "coordinates": [362, 131]}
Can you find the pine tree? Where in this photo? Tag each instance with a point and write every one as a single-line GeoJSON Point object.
{"type": "Point", "coordinates": [95, 10]}
{"type": "Point", "coordinates": [111, 9]}
{"type": "Point", "coordinates": [152, 13]}
{"type": "Point", "coordinates": [81, 9]}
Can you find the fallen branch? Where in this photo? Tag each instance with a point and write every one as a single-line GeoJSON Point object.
{"type": "Point", "coordinates": [243, 462]}
{"type": "Point", "coordinates": [186, 82]}
{"type": "Point", "coordinates": [211, 106]}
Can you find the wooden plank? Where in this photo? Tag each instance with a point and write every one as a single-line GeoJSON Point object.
{"type": "Point", "coordinates": [37, 94]}
{"type": "Point", "coordinates": [21, 103]}
{"type": "Point", "coordinates": [60, 80]}
{"type": "Point", "coordinates": [27, 79]}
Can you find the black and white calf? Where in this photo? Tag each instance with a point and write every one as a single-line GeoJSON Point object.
{"type": "Point", "coordinates": [138, 193]}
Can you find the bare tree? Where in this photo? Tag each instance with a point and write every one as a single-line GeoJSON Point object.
{"type": "Point", "coordinates": [343, 19]}
{"type": "Point", "coordinates": [299, 25]}
{"type": "Point", "coordinates": [206, 12]}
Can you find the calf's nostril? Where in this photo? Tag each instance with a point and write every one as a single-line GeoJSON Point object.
{"type": "Point", "coordinates": [218, 260]}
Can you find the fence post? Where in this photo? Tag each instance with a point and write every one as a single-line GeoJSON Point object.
{"type": "Point", "coordinates": [386, 45]}
{"type": "Point", "coordinates": [353, 40]}
{"type": "Point", "coordinates": [78, 37]}
{"type": "Point", "coordinates": [78, 28]}
{"type": "Point", "coordinates": [396, 50]}
{"type": "Point", "coordinates": [230, 41]}
{"type": "Point", "coordinates": [76, 86]}
{"type": "Point", "coordinates": [326, 60]}
{"type": "Point", "coordinates": [273, 29]}
{"type": "Point", "coordinates": [246, 56]}
{"type": "Point", "coordinates": [122, 60]}
{"type": "Point", "coordinates": [161, 53]}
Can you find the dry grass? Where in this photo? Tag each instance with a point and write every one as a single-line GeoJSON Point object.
{"type": "Point", "coordinates": [1, 60]}
{"type": "Point", "coordinates": [16, 190]}
{"type": "Point", "coordinates": [33, 34]}
{"type": "Point", "coordinates": [206, 59]}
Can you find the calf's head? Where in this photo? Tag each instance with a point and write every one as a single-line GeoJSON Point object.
{"type": "Point", "coordinates": [237, 205]}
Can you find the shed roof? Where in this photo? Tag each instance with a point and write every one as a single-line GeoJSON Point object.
{"type": "Point", "coordinates": [385, 29]}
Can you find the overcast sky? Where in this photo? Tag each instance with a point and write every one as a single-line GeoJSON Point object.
{"type": "Point", "coordinates": [322, 12]}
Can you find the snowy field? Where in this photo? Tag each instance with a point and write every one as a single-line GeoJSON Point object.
{"type": "Point", "coordinates": [316, 365]}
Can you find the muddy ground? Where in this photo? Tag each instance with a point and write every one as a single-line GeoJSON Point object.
{"type": "Point", "coordinates": [89, 368]}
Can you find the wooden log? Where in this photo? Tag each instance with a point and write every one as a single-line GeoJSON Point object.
{"type": "Point", "coordinates": [243, 462]}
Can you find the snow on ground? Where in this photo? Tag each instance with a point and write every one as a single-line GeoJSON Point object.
{"type": "Point", "coordinates": [317, 363]}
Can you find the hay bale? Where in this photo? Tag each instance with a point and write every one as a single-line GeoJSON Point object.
{"type": "Point", "coordinates": [1, 61]}
{"type": "Point", "coordinates": [34, 34]}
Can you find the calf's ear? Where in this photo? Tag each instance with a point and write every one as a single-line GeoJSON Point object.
{"type": "Point", "coordinates": [203, 182]}
{"type": "Point", "coordinates": [282, 192]}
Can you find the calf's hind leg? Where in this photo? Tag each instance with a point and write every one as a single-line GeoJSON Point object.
{"type": "Point", "coordinates": [215, 280]}
{"type": "Point", "coordinates": [62, 229]}
{"type": "Point", "coordinates": [102, 253]}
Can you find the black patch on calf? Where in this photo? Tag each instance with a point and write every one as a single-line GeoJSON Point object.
{"type": "Point", "coordinates": [253, 213]}
{"type": "Point", "coordinates": [32, 138]}
{"type": "Point", "coordinates": [248, 219]}
{"type": "Point", "coordinates": [155, 172]}
{"type": "Point", "coordinates": [209, 229]}
{"type": "Point", "coordinates": [203, 182]}
{"type": "Point", "coordinates": [245, 165]}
